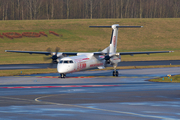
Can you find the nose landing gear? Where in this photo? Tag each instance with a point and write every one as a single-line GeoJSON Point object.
{"type": "Point", "coordinates": [62, 75]}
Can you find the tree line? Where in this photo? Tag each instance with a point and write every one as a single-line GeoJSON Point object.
{"type": "Point", "coordinates": [87, 9]}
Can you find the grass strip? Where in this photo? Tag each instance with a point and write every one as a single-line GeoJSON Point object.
{"type": "Point", "coordinates": [26, 71]}
{"type": "Point", "coordinates": [172, 79]}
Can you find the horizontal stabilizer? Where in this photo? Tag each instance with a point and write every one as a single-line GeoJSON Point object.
{"type": "Point", "coordinates": [100, 26]}
{"type": "Point", "coordinates": [116, 26]}
{"type": "Point", "coordinates": [129, 26]}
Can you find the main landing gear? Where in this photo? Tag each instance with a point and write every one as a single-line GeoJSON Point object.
{"type": "Point", "coordinates": [115, 72]}
{"type": "Point", "coordinates": [62, 75]}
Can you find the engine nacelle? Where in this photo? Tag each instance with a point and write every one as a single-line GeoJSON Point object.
{"type": "Point", "coordinates": [115, 59]}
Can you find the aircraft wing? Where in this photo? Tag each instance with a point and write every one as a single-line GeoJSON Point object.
{"type": "Point", "coordinates": [41, 52]}
{"type": "Point", "coordinates": [49, 53]}
{"type": "Point", "coordinates": [95, 53]}
{"type": "Point", "coordinates": [30, 52]}
{"type": "Point", "coordinates": [150, 52]}
{"type": "Point", "coordinates": [133, 53]}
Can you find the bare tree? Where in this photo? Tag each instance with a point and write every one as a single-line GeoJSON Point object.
{"type": "Point", "coordinates": [140, 9]}
{"type": "Point", "coordinates": [121, 8]}
{"type": "Point", "coordinates": [29, 4]}
{"type": "Point", "coordinates": [65, 9]}
{"type": "Point", "coordinates": [18, 9]}
{"type": "Point", "coordinates": [3, 13]}
{"type": "Point", "coordinates": [91, 8]}
{"type": "Point", "coordinates": [52, 9]}
{"type": "Point", "coordinates": [155, 8]}
{"type": "Point", "coordinates": [112, 8]}
{"type": "Point", "coordinates": [117, 8]}
{"type": "Point", "coordinates": [67, 5]}
{"type": "Point", "coordinates": [176, 8]}
{"type": "Point", "coordinates": [47, 9]}
{"type": "Point", "coordinates": [22, 12]}
{"type": "Point", "coordinates": [126, 8]}
{"type": "Point", "coordinates": [6, 11]}
{"type": "Point", "coordinates": [86, 9]}
{"type": "Point", "coordinates": [62, 5]}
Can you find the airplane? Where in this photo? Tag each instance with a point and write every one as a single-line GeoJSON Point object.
{"type": "Point", "coordinates": [69, 62]}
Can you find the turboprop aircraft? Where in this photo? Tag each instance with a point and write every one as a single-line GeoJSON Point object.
{"type": "Point", "coordinates": [83, 61]}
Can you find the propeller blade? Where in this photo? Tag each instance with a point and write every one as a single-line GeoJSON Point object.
{"type": "Point", "coordinates": [49, 49]}
{"type": "Point", "coordinates": [57, 50]}
{"type": "Point", "coordinates": [47, 58]}
{"type": "Point", "coordinates": [108, 50]}
{"type": "Point", "coordinates": [53, 56]}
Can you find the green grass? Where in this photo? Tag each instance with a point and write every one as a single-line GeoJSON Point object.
{"type": "Point", "coordinates": [157, 34]}
{"type": "Point", "coordinates": [26, 71]}
{"type": "Point", "coordinates": [175, 79]}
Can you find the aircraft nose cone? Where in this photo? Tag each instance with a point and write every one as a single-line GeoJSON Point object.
{"type": "Point", "coordinates": [60, 68]}
{"type": "Point", "coordinates": [64, 68]}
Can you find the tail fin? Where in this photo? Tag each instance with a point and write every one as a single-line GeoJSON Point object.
{"type": "Point", "coordinates": [114, 36]}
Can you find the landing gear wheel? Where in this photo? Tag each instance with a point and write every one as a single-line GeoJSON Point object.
{"type": "Point", "coordinates": [62, 75]}
{"type": "Point", "coordinates": [115, 73]}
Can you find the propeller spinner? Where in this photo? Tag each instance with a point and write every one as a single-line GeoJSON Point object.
{"type": "Point", "coordinates": [107, 57]}
{"type": "Point", "coordinates": [54, 56]}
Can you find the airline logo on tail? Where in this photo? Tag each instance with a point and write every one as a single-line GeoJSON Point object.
{"type": "Point", "coordinates": [114, 41]}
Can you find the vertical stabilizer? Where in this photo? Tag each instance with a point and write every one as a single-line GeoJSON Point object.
{"type": "Point", "coordinates": [111, 49]}
{"type": "Point", "coordinates": [114, 36]}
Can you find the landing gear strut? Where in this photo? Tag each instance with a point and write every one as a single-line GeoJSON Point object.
{"type": "Point", "coordinates": [62, 75]}
{"type": "Point", "coordinates": [115, 72]}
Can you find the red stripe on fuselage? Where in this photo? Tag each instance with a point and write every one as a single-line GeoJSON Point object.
{"type": "Point", "coordinates": [96, 65]}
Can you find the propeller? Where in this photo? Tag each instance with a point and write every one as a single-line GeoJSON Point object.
{"type": "Point", "coordinates": [54, 56]}
{"type": "Point", "coordinates": [107, 57]}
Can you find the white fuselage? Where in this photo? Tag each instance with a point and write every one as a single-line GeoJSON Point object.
{"type": "Point", "coordinates": [78, 63]}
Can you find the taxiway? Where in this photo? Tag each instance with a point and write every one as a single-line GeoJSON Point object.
{"type": "Point", "coordinates": [91, 95]}
{"type": "Point", "coordinates": [123, 63]}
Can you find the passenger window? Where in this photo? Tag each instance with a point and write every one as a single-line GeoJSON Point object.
{"type": "Point", "coordinates": [70, 61]}
{"type": "Point", "coordinates": [61, 61]}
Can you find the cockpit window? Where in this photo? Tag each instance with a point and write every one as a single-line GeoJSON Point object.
{"type": "Point", "coordinates": [66, 61]}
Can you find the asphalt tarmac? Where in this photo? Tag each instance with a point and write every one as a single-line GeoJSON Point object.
{"type": "Point", "coordinates": [123, 63]}
{"type": "Point", "coordinates": [91, 95]}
